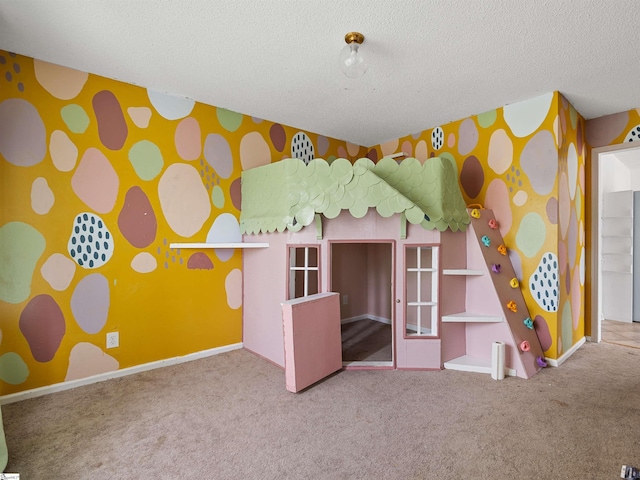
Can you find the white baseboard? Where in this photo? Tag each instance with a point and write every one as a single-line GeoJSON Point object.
{"type": "Point", "coordinates": [366, 316]}
{"type": "Point", "coordinates": [559, 361]}
{"type": "Point", "coordinates": [59, 387]}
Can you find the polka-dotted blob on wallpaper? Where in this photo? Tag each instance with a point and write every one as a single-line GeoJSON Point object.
{"type": "Point", "coordinates": [302, 148]}
{"type": "Point", "coordinates": [437, 138]}
{"type": "Point", "coordinates": [544, 283]}
{"type": "Point", "coordinates": [23, 138]}
{"type": "Point", "coordinates": [91, 242]}
{"type": "Point", "coordinates": [633, 135]}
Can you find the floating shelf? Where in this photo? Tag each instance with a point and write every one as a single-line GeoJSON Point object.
{"type": "Point", "coordinates": [466, 317]}
{"type": "Point", "coordinates": [218, 245]}
{"type": "Point", "coordinates": [466, 363]}
{"type": "Point", "coordinates": [461, 271]}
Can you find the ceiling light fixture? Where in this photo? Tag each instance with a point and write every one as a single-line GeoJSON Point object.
{"type": "Point", "coordinates": [351, 62]}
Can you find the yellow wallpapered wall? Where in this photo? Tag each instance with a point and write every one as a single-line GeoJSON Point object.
{"type": "Point", "coordinates": [605, 131]}
{"type": "Point", "coordinates": [98, 178]}
{"type": "Point", "coordinates": [526, 162]}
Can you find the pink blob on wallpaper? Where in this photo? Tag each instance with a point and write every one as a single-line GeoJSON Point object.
{"type": "Point", "coordinates": [96, 182]}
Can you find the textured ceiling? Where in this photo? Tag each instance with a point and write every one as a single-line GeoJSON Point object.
{"type": "Point", "coordinates": [431, 62]}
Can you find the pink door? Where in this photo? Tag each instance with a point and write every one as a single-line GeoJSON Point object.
{"type": "Point", "coordinates": [312, 340]}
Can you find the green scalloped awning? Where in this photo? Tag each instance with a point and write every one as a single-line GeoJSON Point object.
{"type": "Point", "coordinates": [287, 194]}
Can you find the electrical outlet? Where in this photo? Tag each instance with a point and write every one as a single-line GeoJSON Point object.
{"type": "Point", "coordinates": [345, 299]}
{"type": "Point", "coordinates": [113, 339]}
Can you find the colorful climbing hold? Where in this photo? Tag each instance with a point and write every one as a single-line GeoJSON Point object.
{"type": "Point", "coordinates": [475, 213]}
{"type": "Point", "coordinates": [502, 249]}
{"type": "Point", "coordinates": [541, 362]}
{"type": "Point", "coordinates": [493, 224]}
{"type": "Point", "coordinates": [514, 283]}
{"type": "Point", "coordinates": [525, 346]}
{"type": "Point", "coordinates": [486, 240]}
{"type": "Point", "coordinates": [529, 323]}
{"type": "Point", "coordinates": [512, 306]}
{"type": "Point", "coordinates": [496, 268]}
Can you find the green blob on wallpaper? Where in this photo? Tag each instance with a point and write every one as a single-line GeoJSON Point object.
{"type": "Point", "coordinates": [146, 159]}
{"type": "Point", "coordinates": [229, 120]}
{"type": "Point", "coordinates": [21, 246]}
{"type": "Point", "coordinates": [13, 370]}
{"type": "Point", "coordinates": [486, 119]}
{"type": "Point", "coordinates": [217, 197]}
{"type": "Point", "coordinates": [75, 118]}
{"type": "Point", "coordinates": [531, 234]}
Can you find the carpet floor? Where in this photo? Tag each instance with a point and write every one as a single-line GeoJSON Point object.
{"type": "Point", "coordinates": [230, 417]}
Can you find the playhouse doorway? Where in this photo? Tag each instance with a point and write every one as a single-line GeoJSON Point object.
{"type": "Point", "coordinates": [362, 273]}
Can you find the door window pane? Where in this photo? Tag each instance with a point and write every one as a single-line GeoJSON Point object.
{"type": "Point", "coordinates": [421, 283]}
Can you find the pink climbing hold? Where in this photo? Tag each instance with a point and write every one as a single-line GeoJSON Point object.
{"type": "Point", "coordinates": [493, 224]}
{"type": "Point", "coordinates": [525, 346]}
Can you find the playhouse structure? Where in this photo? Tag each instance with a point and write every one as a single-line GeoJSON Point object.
{"type": "Point", "coordinates": [397, 244]}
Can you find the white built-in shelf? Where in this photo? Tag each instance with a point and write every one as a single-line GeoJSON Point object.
{"type": "Point", "coordinates": [466, 317]}
{"type": "Point", "coordinates": [462, 271]}
{"type": "Point", "coordinates": [466, 363]}
{"type": "Point", "coordinates": [218, 245]}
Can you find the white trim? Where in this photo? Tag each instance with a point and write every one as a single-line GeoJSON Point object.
{"type": "Point", "coordinates": [364, 363]}
{"type": "Point", "coordinates": [366, 316]}
{"type": "Point", "coordinates": [557, 362]}
{"type": "Point", "coordinates": [59, 387]}
{"type": "Point", "coordinates": [204, 245]}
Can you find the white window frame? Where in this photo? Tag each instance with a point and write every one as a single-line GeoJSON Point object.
{"type": "Point", "coordinates": [306, 268]}
{"type": "Point", "coordinates": [434, 269]}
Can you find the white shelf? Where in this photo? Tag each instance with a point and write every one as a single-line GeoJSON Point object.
{"type": "Point", "coordinates": [466, 317]}
{"type": "Point", "coordinates": [218, 245]}
{"type": "Point", "coordinates": [466, 363]}
{"type": "Point", "coordinates": [462, 271]}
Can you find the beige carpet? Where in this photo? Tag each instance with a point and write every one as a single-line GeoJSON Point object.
{"type": "Point", "coordinates": [230, 417]}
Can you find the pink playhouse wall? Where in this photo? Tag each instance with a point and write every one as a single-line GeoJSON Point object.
{"type": "Point", "coordinates": [265, 277]}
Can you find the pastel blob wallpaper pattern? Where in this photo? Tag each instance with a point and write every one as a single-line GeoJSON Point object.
{"type": "Point", "coordinates": [98, 178]}
{"type": "Point", "coordinates": [526, 162]}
